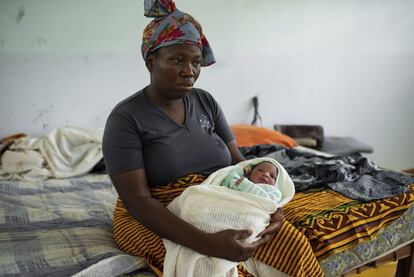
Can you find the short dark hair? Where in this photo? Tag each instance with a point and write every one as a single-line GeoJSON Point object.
{"type": "Point", "coordinates": [255, 165]}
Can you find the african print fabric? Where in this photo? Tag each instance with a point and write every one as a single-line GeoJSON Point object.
{"type": "Point", "coordinates": [333, 223]}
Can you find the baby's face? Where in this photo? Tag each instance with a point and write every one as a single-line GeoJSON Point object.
{"type": "Point", "coordinates": [264, 173]}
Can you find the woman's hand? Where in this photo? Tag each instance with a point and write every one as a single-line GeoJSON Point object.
{"type": "Point", "coordinates": [230, 245]}
{"type": "Point", "coordinates": [276, 220]}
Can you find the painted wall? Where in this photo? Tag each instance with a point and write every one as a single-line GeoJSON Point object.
{"type": "Point", "coordinates": [347, 65]}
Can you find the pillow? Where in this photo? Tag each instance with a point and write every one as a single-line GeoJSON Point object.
{"type": "Point", "coordinates": [249, 135]}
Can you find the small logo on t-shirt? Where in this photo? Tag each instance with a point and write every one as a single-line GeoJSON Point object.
{"type": "Point", "coordinates": [204, 122]}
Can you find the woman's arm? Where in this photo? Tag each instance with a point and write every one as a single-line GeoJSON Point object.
{"type": "Point", "coordinates": [133, 189]}
{"type": "Point", "coordinates": [236, 156]}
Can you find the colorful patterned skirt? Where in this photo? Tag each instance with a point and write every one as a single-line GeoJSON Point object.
{"type": "Point", "coordinates": [289, 250]}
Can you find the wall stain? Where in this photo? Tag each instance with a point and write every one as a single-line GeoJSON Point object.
{"type": "Point", "coordinates": [41, 113]}
{"type": "Point", "coordinates": [2, 43]}
{"type": "Point", "coordinates": [41, 41]}
{"type": "Point", "coordinates": [43, 116]}
{"type": "Point", "coordinates": [20, 14]}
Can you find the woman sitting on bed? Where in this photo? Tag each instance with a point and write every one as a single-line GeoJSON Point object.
{"type": "Point", "coordinates": [166, 131]}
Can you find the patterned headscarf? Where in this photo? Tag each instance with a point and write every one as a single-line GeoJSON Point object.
{"type": "Point", "coordinates": [172, 26]}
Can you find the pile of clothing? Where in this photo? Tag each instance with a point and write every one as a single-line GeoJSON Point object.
{"type": "Point", "coordinates": [355, 177]}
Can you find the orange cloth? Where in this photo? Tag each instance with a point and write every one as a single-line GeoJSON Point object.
{"type": "Point", "coordinates": [249, 135]}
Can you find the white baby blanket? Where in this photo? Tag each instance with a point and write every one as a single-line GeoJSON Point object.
{"type": "Point", "coordinates": [213, 208]}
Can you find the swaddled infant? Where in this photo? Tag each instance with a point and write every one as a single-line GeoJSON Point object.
{"type": "Point", "coordinates": [240, 197]}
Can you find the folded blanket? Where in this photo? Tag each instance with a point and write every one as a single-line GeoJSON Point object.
{"type": "Point", "coordinates": [289, 251]}
{"type": "Point", "coordinates": [63, 153]}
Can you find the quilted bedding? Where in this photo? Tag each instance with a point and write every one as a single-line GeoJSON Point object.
{"type": "Point", "coordinates": [59, 228]}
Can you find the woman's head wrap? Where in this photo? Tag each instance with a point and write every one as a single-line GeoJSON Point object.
{"type": "Point", "coordinates": [171, 26]}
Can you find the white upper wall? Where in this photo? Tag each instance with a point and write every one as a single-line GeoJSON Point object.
{"type": "Point", "coordinates": [346, 65]}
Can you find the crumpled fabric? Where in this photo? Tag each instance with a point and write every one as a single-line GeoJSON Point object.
{"type": "Point", "coordinates": [355, 177]}
{"type": "Point", "coordinates": [62, 153]}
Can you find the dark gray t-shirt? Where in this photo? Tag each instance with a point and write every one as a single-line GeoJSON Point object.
{"type": "Point", "coordinates": [138, 134]}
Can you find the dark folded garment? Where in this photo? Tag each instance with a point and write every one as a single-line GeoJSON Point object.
{"type": "Point", "coordinates": [344, 146]}
{"type": "Point", "coordinates": [302, 131]}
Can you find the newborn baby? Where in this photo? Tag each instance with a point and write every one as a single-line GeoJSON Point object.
{"type": "Point", "coordinates": [258, 179]}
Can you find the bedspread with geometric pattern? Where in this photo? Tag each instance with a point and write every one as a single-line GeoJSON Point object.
{"type": "Point", "coordinates": [334, 223]}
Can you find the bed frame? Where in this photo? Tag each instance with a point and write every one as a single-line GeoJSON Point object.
{"type": "Point", "coordinates": [405, 262]}
{"type": "Point", "coordinates": [405, 265]}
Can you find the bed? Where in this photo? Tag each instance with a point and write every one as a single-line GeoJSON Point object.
{"type": "Point", "coordinates": [63, 227]}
